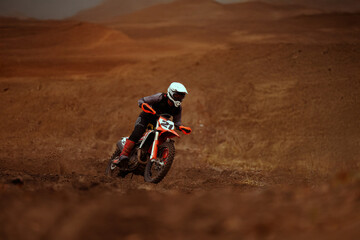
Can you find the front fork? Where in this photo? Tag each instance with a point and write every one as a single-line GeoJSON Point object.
{"type": "Point", "coordinates": [154, 148]}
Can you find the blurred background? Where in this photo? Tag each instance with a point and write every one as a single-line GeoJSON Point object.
{"type": "Point", "coordinates": [273, 103]}
{"type": "Point", "coordinates": [55, 9]}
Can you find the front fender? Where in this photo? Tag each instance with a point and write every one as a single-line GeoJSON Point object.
{"type": "Point", "coordinates": [169, 134]}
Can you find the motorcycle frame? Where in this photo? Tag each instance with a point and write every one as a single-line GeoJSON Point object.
{"type": "Point", "coordinates": [161, 134]}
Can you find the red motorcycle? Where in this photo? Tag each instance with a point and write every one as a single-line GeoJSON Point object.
{"type": "Point", "coordinates": [153, 155]}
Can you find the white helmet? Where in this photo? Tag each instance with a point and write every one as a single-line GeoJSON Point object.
{"type": "Point", "coordinates": [176, 93]}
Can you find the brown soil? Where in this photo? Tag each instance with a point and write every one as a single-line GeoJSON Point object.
{"type": "Point", "coordinates": [273, 103]}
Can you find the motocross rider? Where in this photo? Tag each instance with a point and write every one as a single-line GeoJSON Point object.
{"type": "Point", "coordinates": [160, 103]}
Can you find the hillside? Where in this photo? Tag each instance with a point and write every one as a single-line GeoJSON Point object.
{"type": "Point", "coordinates": [113, 8]}
{"type": "Point", "coordinates": [43, 34]}
{"type": "Point", "coordinates": [325, 5]}
{"type": "Point", "coordinates": [26, 46]}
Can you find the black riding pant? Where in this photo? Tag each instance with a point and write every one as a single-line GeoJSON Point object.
{"type": "Point", "coordinates": [141, 124]}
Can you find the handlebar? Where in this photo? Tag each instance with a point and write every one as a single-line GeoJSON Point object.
{"type": "Point", "coordinates": [148, 109]}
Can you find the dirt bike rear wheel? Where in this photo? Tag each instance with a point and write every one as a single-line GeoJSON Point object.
{"type": "Point", "coordinates": [112, 170]}
{"type": "Point", "coordinates": [156, 170]}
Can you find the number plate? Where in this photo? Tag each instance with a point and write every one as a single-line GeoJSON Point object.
{"type": "Point", "coordinates": [166, 124]}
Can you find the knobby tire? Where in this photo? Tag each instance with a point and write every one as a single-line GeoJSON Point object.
{"type": "Point", "coordinates": [171, 154]}
{"type": "Point", "coordinates": [109, 171]}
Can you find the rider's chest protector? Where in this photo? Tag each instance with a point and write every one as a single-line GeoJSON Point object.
{"type": "Point", "coordinates": [163, 107]}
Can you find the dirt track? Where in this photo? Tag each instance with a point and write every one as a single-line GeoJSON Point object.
{"type": "Point", "coordinates": [273, 104]}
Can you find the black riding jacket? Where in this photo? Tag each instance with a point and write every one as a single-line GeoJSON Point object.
{"type": "Point", "coordinates": [159, 102]}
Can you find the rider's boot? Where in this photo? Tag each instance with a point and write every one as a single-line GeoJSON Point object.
{"type": "Point", "coordinates": [124, 155]}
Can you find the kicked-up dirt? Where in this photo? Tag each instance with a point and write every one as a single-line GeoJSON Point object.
{"type": "Point", "coordinates": [273, 103]}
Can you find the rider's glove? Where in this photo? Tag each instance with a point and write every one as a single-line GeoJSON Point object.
{"type": "Point", "coordinates": [146, 108]}
{"type": "Point", "coordinates": [185, 130]}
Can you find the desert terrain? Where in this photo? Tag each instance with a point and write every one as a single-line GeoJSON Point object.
{"type": "Point", "coordinates": [274, 96]}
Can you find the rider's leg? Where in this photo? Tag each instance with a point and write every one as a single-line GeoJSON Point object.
{"type": "Point", "coordinates": [140, 126]}
{"type": "Point", "coordinates": [129, 145]}
{"type": "Point", "coordinates": [139, 129]}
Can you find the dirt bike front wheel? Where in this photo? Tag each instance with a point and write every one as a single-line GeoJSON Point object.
{"type": "Point", "coordinates": [157, 169]}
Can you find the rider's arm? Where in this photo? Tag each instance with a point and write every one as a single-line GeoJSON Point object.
{"type": "Point", "coordinates": [177, 122]}
{"type": "Point", "coordinates": [150, 99]}
{"type": "Point", "coordinates": [177, 118]}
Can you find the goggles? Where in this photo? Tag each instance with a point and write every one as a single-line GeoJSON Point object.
{"type": "Point", "coordinates": [179, 96]}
